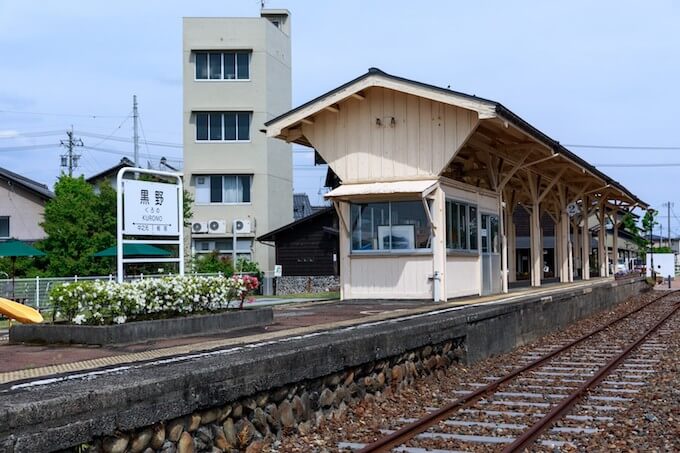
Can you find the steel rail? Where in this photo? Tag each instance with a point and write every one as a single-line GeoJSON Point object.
{"type": "Point", "coordinates": [558, 411]}
{"type": "Point", "coordinates": [411, 430]}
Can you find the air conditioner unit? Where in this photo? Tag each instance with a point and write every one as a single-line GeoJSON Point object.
{"type": "Point", "coordinates": [199, 227]}
{"type": "Point", "coordinates": [217, 226]}
{"type": "Point", "coordinates": [242, 226]}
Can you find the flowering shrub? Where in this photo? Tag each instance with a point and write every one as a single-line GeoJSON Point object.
{"type": "Point", "coordinates": [104, 302]}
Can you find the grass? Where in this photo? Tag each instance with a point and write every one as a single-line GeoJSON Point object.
{"type": "Point", "coordinates": [324, 295]}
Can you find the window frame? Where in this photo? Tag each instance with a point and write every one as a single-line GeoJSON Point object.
{"type": "Point", "coordinates": [390, 251]}
{"type": "Point", "coordinates": [467, 250]}
{"type": "Point", "coordinates": [223, 115]}
{"type": "Point", "coordinates": [222, 203]}
{"type": "Point", "coordinates": [222, 53]}
{"type": "Point", "coordinates": [9, 226]}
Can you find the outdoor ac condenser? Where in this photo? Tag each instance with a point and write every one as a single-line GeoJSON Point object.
{"type": "Point", "coordinates": [199, 227]}
{"type": "Point", "coordinates": [242, 226]}
{"type": "Point", "coordinates": [217, 226]}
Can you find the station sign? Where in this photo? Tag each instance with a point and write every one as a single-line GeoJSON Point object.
{"type": "Point", "coordinates": [150, 208]}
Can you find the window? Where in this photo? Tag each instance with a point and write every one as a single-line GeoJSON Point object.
{"type": "Point", "coordinates": [461, 226]}
{"type": "Point", "coordinates": [223, 188]}
{"type": "Point", "coordinates": [389, 226]}
{"type": "Point", "coordinates": [223, 126]}
{"type": "Point", "coordinates": [230, 65]}
{"type": "Point", "coordinates": [225, 246]}
{"type": "Point", "coordinates": [4, 227]}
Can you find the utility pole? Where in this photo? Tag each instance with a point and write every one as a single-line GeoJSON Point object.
{"type": "Point", "coordinates": [669, 205]}
{"type": "Point", "coordinates": [70, 160]}
{"type": "Point", "coordinates": [135, 136]}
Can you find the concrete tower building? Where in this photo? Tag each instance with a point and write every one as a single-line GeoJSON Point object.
{"type": "Point", "coordinates": [237, 76]}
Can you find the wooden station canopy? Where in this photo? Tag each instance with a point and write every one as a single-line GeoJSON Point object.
{"type": "Point", "coordinates": [502, 152]}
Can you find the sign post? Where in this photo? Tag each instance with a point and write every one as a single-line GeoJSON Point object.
{"type": "Point", "coordinates": [152, 209]}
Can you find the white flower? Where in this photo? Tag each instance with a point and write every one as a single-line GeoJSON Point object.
{"type": "Point", "coordinates": [79, 319]}
{"type": "Point", "coordinates": [120, 319]}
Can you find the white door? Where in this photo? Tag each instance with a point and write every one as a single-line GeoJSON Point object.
{"type": "Point", "coordinates": [491, 257]}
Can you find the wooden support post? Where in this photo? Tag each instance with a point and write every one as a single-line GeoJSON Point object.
{"type": "Point", "coordinates": [343, 210]}
{"type": "Point", "coordinates": [536, 245]}
{"type": "Point", "coordinates": [615, 241]}
{"type": "Point", "coordinates": [566, 249]}
{"type": "Point", "coordinates": [439, 245]}
{"type": "Point", "coordinates": [585, 242]}
{"type": "Point", "coordinates": [601, 245]}
{"type": "Point", "coordinates": [512, 250]}
{"type": "Point", "coordinates": [504, 219]}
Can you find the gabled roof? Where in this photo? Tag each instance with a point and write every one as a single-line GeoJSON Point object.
{"type": "Point", "coordinates": [35, 187]}
{"type": "Point", "coordinates": [271, 236]}
{"type": "Point", "coordinates": [112, 171]}
{"type": "Point", "coordinates": [485, 109]}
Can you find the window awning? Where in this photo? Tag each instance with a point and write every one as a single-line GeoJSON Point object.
{"type": "Point", "coordinates": [373, 190]}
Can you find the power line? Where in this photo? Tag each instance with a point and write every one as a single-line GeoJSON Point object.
{"type": "Point", "coordinates": [644, 147]}
{"type": "Point", "coordinates": [130, 140]}
{"type": "Point", "coordinates": [123, 153]}
{"type": "Point", "coordinates": [69, 115]}
{"type": "Point", "coordinates": [12, 135]}
{"type": "Point", "coordinates": [670, 164]}
{"type": "Point", "coordinates": [27, 147]}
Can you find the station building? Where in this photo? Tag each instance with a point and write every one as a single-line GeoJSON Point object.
{"type": "Point", "coordinates": [430, 181]}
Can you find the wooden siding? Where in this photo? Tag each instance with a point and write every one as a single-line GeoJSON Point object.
{"type": "Point", "coordinates": [425, 137]}
{"type": "Point", "coordinates": [463, 276]}
{"type": "Point", "coordinates": [391, 277]}
{"type": "Point", "coordinates": [307, 249]}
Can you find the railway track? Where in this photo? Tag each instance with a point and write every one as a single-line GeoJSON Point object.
{"type": "Point", "coordinates": [554, 399]}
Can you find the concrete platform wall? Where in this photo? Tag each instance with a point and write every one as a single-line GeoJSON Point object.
{"type": "Point", "coordinates": [65, 413]}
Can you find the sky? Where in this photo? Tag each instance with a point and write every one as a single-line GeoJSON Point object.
{"type": "Point", "coordinates": [586, 73]}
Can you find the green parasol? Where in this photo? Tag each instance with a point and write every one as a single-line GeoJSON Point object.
{"type": "Point", "coordinates": [14, 248]}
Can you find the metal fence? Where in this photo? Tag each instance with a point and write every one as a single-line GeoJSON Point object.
{"type": "Point", "coordinates": [35, 292]}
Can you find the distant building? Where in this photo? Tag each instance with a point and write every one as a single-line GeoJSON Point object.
{"type": "Point", "coordinates": [22, 207]}
{"type": "Point", "coordinates": [109, 175]}
{"type": "Point", "coordinates": [308, 246]}
{"type": "Point", "coordinates": [237, 76]}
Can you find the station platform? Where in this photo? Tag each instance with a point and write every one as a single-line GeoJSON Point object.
{"type": "Point", "coordinates": [19, 362]}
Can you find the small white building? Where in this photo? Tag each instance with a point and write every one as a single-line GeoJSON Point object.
{"type": "Point", "coordinates": [430, 178]}
{"type": "Point", "coordinates": [22, 207]}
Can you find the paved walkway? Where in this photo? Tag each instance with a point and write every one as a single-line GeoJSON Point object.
{"type": "Point", "coordinates": [20, 362]}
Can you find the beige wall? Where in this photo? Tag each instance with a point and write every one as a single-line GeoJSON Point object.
{"type": "Point", "coordinates": [267, 94]}
{"type": "Point", "coordinates": [393, 277]}
{"type": "Point", "coordinates": [25, 210]}
{"type": "Point", "coordinates": [423, 139]}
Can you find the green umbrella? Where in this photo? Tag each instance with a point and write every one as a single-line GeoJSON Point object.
{"type": "Point", "coordinates": [14, 248]}
{"type": "Point", "coordinates": [134, 250]}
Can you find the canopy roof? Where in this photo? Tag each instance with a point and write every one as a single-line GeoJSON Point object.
{"type": "Point", "coordinates": [376, 189]}
{"type": "Point", "coordinates": [502, 142]}
{"type": "Point", "coordinates": [134, 250]}
{"type": "Point", "coordinates": [18, 248]}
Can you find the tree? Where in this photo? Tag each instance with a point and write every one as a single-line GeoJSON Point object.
{"type": "Point", "coordinates": [78, 223]}
{"type": "Point", "coordinates": [629, 225]}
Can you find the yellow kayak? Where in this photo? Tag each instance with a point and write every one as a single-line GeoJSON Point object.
{"type": "Point", "coordinates": [22, 313]}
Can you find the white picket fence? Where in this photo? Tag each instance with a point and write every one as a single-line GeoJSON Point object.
{"type": "Point", "coordinates": [35, 292]}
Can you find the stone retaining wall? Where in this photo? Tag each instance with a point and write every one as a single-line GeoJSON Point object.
{"type": "Point", "coordinates": [248, 422]}
{"type": "Point", "coordinates": [298, 285]}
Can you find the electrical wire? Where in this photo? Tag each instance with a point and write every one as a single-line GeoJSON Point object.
{"type": "Point", "coordinates": [69, 115]}
{"type": "Point", "coordinates": [660, 148]}
{"type": "Point", "coordinates": [29, 134]}
{"type": "Point", "coordinates": [130, 140]}
{"type": "Point", "coordinates": [28, 147]}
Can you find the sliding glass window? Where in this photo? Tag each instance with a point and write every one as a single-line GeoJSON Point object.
{"type": "Point", "coordinates": [461, 226]}
{"type": "Point", "coordinates": [389, 226]}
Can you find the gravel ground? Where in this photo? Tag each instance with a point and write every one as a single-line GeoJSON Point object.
{"type": "Point", "coordinates": [648, 423]}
